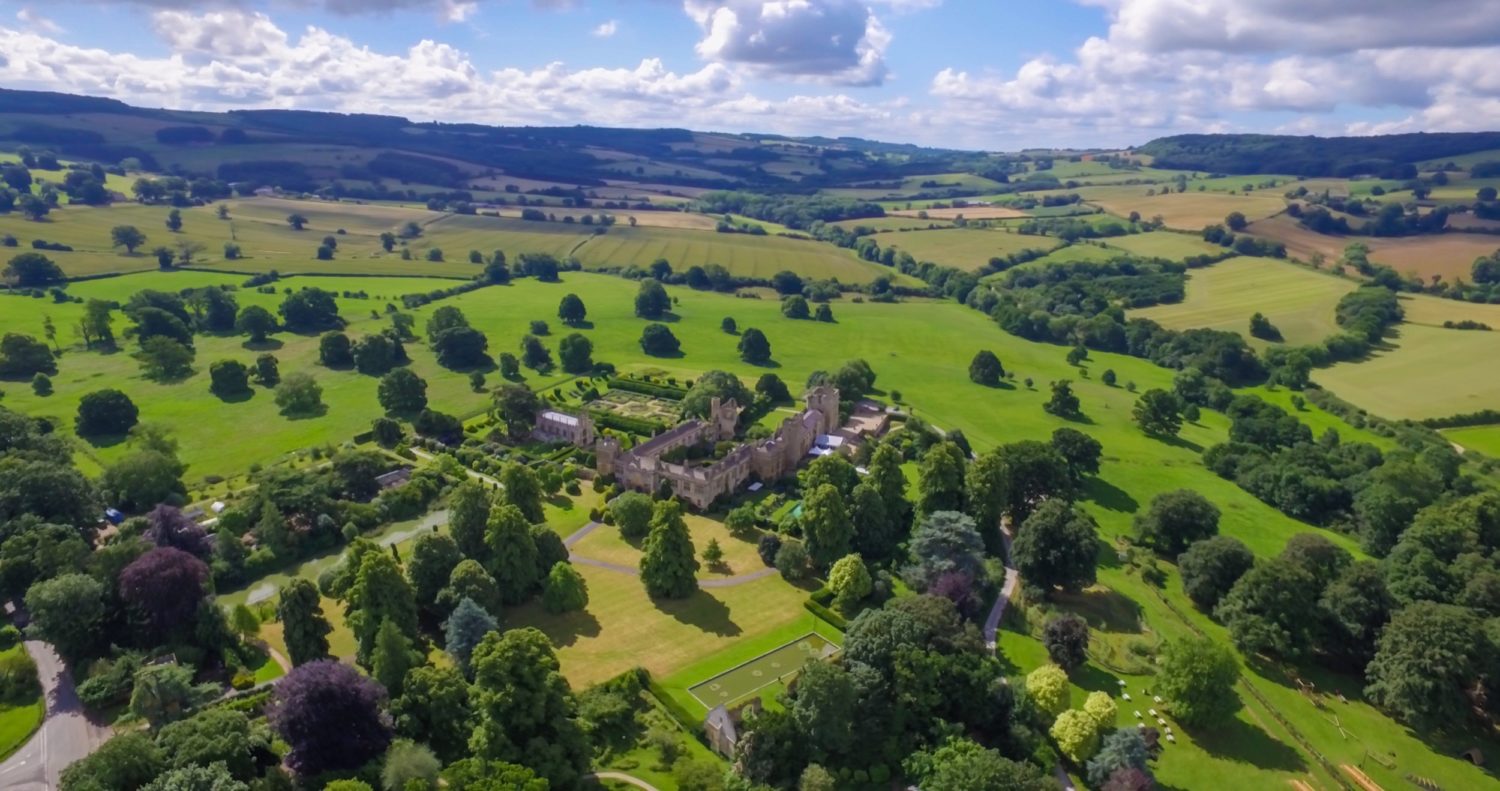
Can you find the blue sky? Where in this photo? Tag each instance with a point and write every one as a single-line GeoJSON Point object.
{"type": "Point", "coordinates": [992, 74]}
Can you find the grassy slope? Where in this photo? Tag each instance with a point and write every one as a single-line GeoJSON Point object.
{"type": "Point", "coordinates": [220, 437]}
{"type": "Point", "coordinates": [1223, 296]}
{"type": "Point", "coordinates": [922, 350]}
{"type": "Point", "coordinates": [1454, 368]}
{"type": "Point", "coordinates": [964, 248]}
{"type": "Point", "coordinates": [743, 255]}
{"type": "Point", "coordinates": [1162, 244]}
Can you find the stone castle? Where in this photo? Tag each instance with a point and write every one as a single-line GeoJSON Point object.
{"type": "Point", "coordinates": [642, 468]}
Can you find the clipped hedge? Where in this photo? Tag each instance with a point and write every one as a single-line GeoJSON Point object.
{"type": "Point", "coordinates": [668, 392]}
{"type": "Point", "coordinates": [629, 425]}
{"type": "Point", "coordinates": [689, 723]}
{"type": "Point", "coordinates": [834, 619]}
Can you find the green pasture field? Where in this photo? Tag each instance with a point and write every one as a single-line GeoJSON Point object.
{"type": "Point", "coordinates": [1462, 160]}
{"type": "Point", "coordinates": [769, 668]}
{"type": "Point", "coordinates": [224, 437]}
{"type": "Point", "coordinates": [258, 226]}
{"type": "Point", "coordinates": [1433, 311]}
{"type": "Point", "coordinates": [921, 348]}
{"type": "Point", "coordinates": [1164, 244]}
{"type": "Point", "coordinates": [883, 224]}
{"type": "Point", "coordinates": [1067, 254]}
{"type": "Point", "coordinates": [912, 185]}
{"type": "Point", "coordinates": [1184, 211]}
{"type": "Point", "coordinates": [1070, 210]}
{"type": "Point", "coordinates": [457, 234]}
{"type": "Point", "coordinates": [1483, 439]}
{"type": "Point", "coordinates": [1298, 301]}
{"type": "Point", "coordinates": [623, 628]}
{"type": "Point", "coordinates": [964, 248]}
{"type": "Point", "coordinates": [1426, 372]}
{"type": "Point", "coordinates": [742, 254]}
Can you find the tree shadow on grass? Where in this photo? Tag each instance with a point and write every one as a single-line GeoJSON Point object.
{"type": "Point", "coordinates": [105, 440]}
{"type": "Point", "coordinates": [1079, 418]}
{"type": "Point", "coordinates": [1179, 442]}
{"type": "Point", "coordinates": [267, 345]}
{"type": "Point", "coordinates": [1108, 496]}
{"type": "Point", "coordinates": [1240, 741]}
{"type": "Point", "coordinates": [305, 414]}
{"type": "Point", "coordinates": [486, 364]}
{"type": "Point", "coordinates": [1093, 678]}
{"type": "Point", "coordinates": [702, 611]}
{"type": "Point", "coordinates": [238, 397]}
{"type": "Point", "coordinates": [566, 629]}
{"type": "Point", "coordinates": [1104, 608]}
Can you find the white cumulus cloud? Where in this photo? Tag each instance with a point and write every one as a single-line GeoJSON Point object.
{"type": "Point", "coordinates": [834, 41]}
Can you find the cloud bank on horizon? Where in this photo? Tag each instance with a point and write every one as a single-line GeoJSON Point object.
{"type": "Point", "coordinates": [883, 69]}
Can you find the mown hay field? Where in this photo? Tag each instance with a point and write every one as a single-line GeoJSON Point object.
{"type": "Point", "coordinates": [744, 255]}
{"type": "Point", "coordinates": [1164, 244]}
{"type": "Point", "coordinates": [1183, 211]}
{"type": "Point", "coordinates": [1224, 296]}
{"type": "Point", "coordinates": [1427, 372]}
{"type": "Point", "coordinates": [1450, 255]}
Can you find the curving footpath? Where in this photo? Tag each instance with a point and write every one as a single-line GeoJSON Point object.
{"type": "Point", "coordinates": [623, 778]}
{"type": "Point", "coordinates": [66, 734]}
{"type": "Point", "coordinates": [1007, 589]}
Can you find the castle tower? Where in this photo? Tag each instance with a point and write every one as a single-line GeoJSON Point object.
{"type": "Point", "coordinates": [724, 416]}
{"type": "Point", "coordinates": [586, 433]}
{"type": "Point", "coordinates": [826, 400]}
{"type": "Point", "coordinates": [608, 451]}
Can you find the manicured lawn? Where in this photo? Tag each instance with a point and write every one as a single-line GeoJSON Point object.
{"type": "Point", "coordinates": [622, 627]}
{"type": "Point", "coordinates": [341, 642]}
{"type": "Point", "coordinates": [740, 556]}
{"type": "Point", "coordinates": [18, 721]}
{"type": "Point", "coordinates": [1298, 301]}
{"type": "Point", "coordinates": [269, 670]}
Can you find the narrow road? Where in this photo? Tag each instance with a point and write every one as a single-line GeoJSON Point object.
{"type": "Point", "coordinates": [66, 734]}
